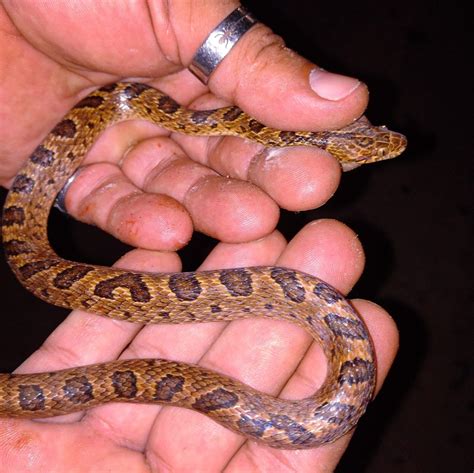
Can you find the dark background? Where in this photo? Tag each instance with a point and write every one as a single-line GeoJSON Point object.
{"type": "Point", "coordinates": [413, 215]}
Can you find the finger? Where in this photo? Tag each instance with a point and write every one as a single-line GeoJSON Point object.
{"type": "Point", "coordinates": [328, 249]}
{"type": "Point", "coordinates": [85, 338]}
{"type": "Point", "coordinates": [250, 349]}
{"type": "Point", "coordinates": [226, 209]}
{"type": "Point", "coordinates": [267, 80]}
{"type": "Point", "coordinates": [102, 195]}
{"type": "Point", "coordinates": [303, 383]}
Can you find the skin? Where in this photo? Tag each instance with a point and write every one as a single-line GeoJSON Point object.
{"type": "Point", "coordinates": [151, 189]}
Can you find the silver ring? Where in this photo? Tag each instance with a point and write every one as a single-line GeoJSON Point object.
{"type": "Point", "coordinates": [60, 202]}
{"type": "Point", "coordinates": [219, 43]}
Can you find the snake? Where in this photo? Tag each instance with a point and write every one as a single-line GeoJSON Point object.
{"type": "Point", "coordinates": [190, 297]}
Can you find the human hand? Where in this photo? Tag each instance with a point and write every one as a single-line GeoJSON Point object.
{"type": "Point", "coordinates": [131, 437]}
{"type": "Point", "coordinates": [310, 177]}
{"type": "Point", "coordinates": [56, 54]}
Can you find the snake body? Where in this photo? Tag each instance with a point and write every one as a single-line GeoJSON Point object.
{"type": "Point", "coordinates": [229, 294]}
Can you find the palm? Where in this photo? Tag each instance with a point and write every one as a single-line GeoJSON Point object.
{"type": "Point", "coordinates": [73, 51]}
{"type": "Point", "coordinates": [114, 49]}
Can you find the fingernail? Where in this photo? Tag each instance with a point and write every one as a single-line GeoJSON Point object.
{"type": "Point", "coordinates": [331, 86]}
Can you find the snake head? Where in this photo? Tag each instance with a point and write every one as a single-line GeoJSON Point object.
{"type": "Point", "coordinates": [387, 144]}
{"type": "Point", "coordinates": [366, 144]}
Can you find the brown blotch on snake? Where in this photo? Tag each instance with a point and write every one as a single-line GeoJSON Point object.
{"type": "Point", "coordinates": [345, 327]}
{"type": "Point", "coordinates": [92, 101]}
{"type": "Point", "coordinates": [335, 413]}
{"type": "Point", "coordinates": [125, 384]}
{"type": "Point", "coordinates": [255, 126]}
{"type": "Point", "coordinates": [237, 281]}
{"type": "Point", "coordinates": [65, 279]}
{"type": "Point", "coordinates": [217, 399]}
{"type": "Point", "coordinates": [22, 184]}
{"type": "Point", "coordinates": [30, 269]}
{"type": "Point", "coordinates": [168, 387]}
{"type": "Point", "coordinates": [356, 371]}
{"type": "Point", "coordinates": [139, 291]}
{"type": "Point", "coordinates": [232, 114]}
{"type": "Point", "coordinates": [185, 286]}
{"type": "Point", "coordinates": [252, 427]}
{"type": "Point", "coordinates": [31, 397]}
{"type": "Point", "coordinates": [187, 297]}
{"type": "Point", "coordinates": [109, 88]}
{"type": "Point", "coordinates": [65, 129]}
{"type": "Point", "coordinates": [203, 116]}
{"type": "Point", "coordinates": [327, 293]}
{"type": "Point", "coordinates": [167, 104]}
{"type": "Point", "coordinates": [17, 247]}
{"type": "Point", "coordinates": [296, 433]}
{"type": "Point", "coordinates": [135, 90]}
{"type": "Point", "coordinates": [289, 284]}
{"type": "Point", "coordinates": [78, 390]}
{"type": "Point", "coordinates": [42, 156]}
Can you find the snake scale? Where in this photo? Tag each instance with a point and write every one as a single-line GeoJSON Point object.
{"type": "Point", "coordinates": [230, 294]}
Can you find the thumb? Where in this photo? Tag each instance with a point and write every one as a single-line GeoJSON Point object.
{"type": "Point", "coordinates": [271, 82]}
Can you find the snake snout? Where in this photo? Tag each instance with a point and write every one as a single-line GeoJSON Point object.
{"type": "Point", "coordinates": [397, 144]}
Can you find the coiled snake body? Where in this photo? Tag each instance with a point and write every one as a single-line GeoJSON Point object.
{"type": "Point", "coordinates": [229, 294]}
